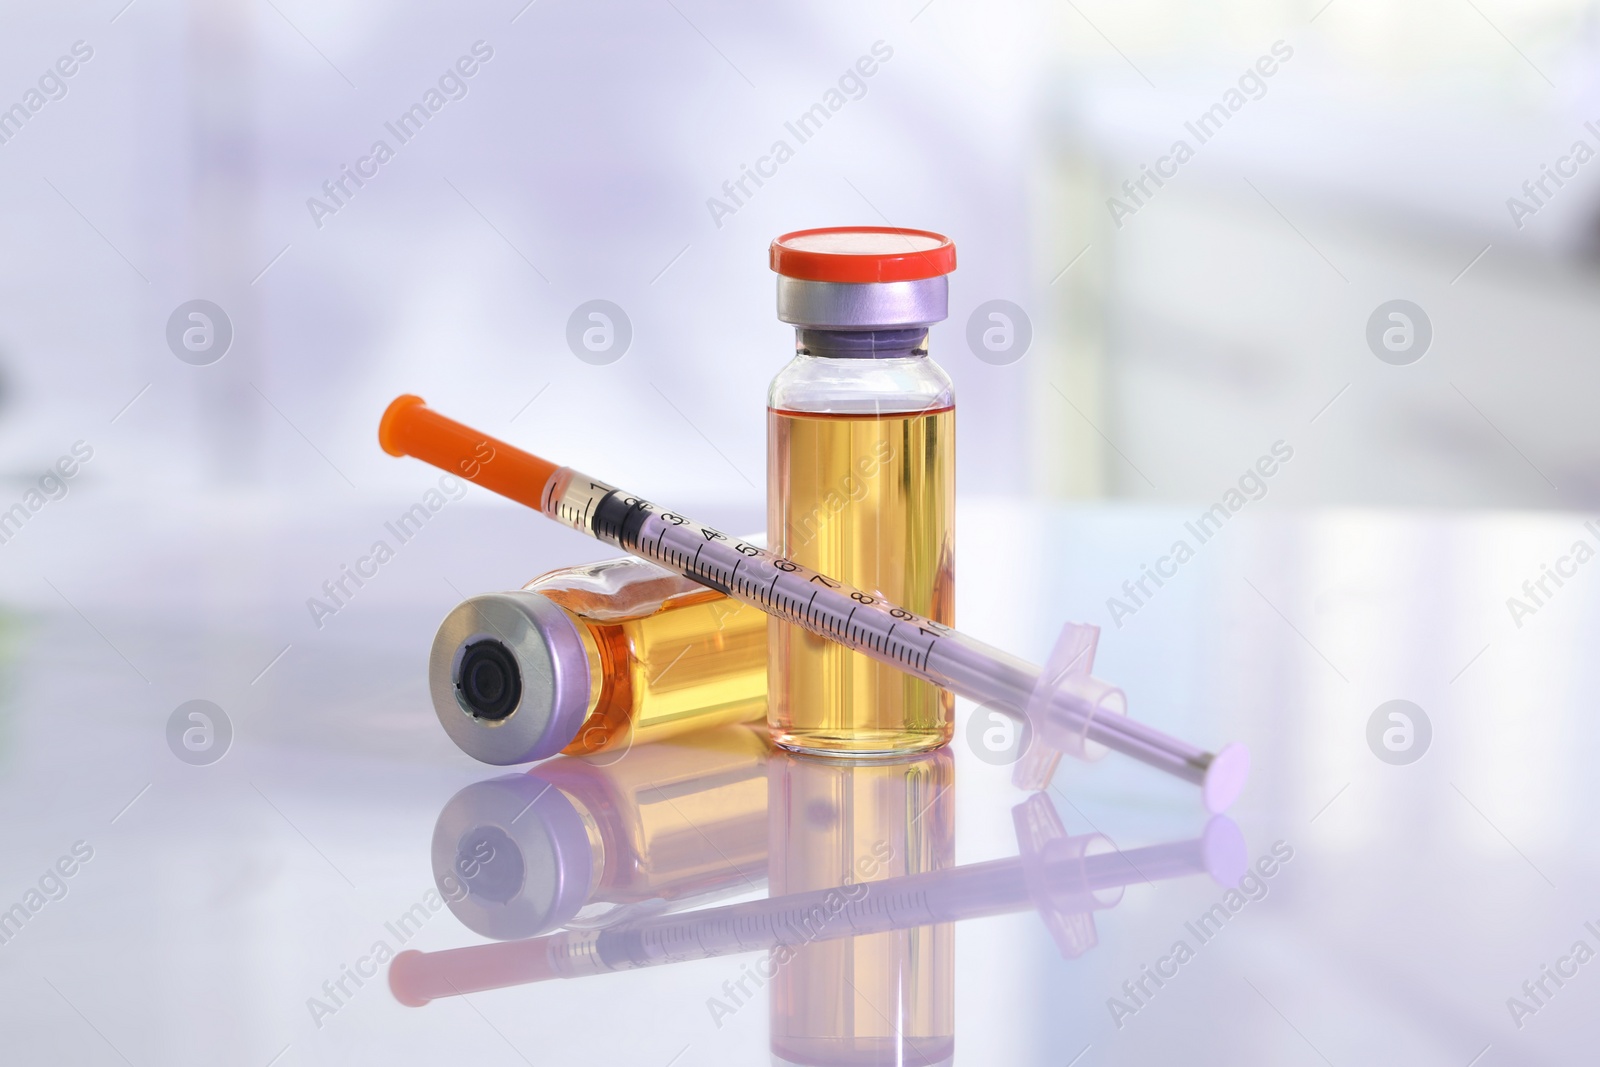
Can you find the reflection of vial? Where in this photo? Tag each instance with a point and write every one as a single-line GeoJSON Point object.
{"type": "Point", "coordinates": [878, 998]}
{"type": "Point", "coordinates": [592, 842]}
{"type": "Point", "coordinates": [861, 477]}
{"type": "Point", "coordinates": [596, 657]}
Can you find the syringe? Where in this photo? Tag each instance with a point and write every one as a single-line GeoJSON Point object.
{"type": "Point", "coordinates": [782, 588]}
{"type": "Point", "coordinates": [1055, 874]}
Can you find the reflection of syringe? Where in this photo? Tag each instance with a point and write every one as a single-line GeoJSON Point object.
{"type": "Point", "coordinates": [1079, 706]}
{"type": "Point", "coordinates": [1055, 874]}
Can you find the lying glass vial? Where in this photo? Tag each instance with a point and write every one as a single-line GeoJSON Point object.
{"type": "Point", "coordinates": [595, 658]}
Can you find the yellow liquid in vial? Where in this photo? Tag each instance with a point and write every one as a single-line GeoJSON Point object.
{"type": "Point", "coordinates": [697, 661]}
{"type": "Point", "coordinates": [870, 500]}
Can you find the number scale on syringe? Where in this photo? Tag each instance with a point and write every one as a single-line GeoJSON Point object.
{"type": "Point", "coordinates": [859, 621]}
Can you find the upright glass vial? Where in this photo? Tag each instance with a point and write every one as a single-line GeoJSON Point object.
{"type": "Point", "coordinates": [861, 477]}
{"type": "Point", "coordinates": [592, 658]}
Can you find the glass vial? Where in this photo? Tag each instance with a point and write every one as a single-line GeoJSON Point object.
{"type": "Point", "coordinates": [861, 478]}
{"type": "Point", "coordinates": [595, 658]}
{"type": "Point", "coordinates": [884, 998]}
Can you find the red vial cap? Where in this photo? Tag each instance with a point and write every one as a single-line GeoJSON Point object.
{"type": "Point", "coordinates": [863, 254]}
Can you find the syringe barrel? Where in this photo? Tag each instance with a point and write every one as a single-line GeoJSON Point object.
{"type": "Point", "coordinates": [967, 667]}
{"type": "Point", "coordinates": [991, 676]}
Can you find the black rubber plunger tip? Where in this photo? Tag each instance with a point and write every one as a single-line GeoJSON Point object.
{"type": "Point", "coordinates": [488, 681]}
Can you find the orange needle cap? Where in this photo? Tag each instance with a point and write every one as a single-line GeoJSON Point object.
{"type": "Point", "coordinates": [410, 428]}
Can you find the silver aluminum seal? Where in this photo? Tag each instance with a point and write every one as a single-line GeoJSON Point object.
{"type": "Point", "coordinates": [863, 305]}
{"type": "Point", "coordinates": [554, 669]}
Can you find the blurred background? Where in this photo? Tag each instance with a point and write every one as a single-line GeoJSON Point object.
{"type": "Point", "coordinates": [1170, 345]}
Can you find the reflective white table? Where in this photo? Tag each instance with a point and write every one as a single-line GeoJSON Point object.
{"type": "Point", "coordinates": [1419, 891]}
